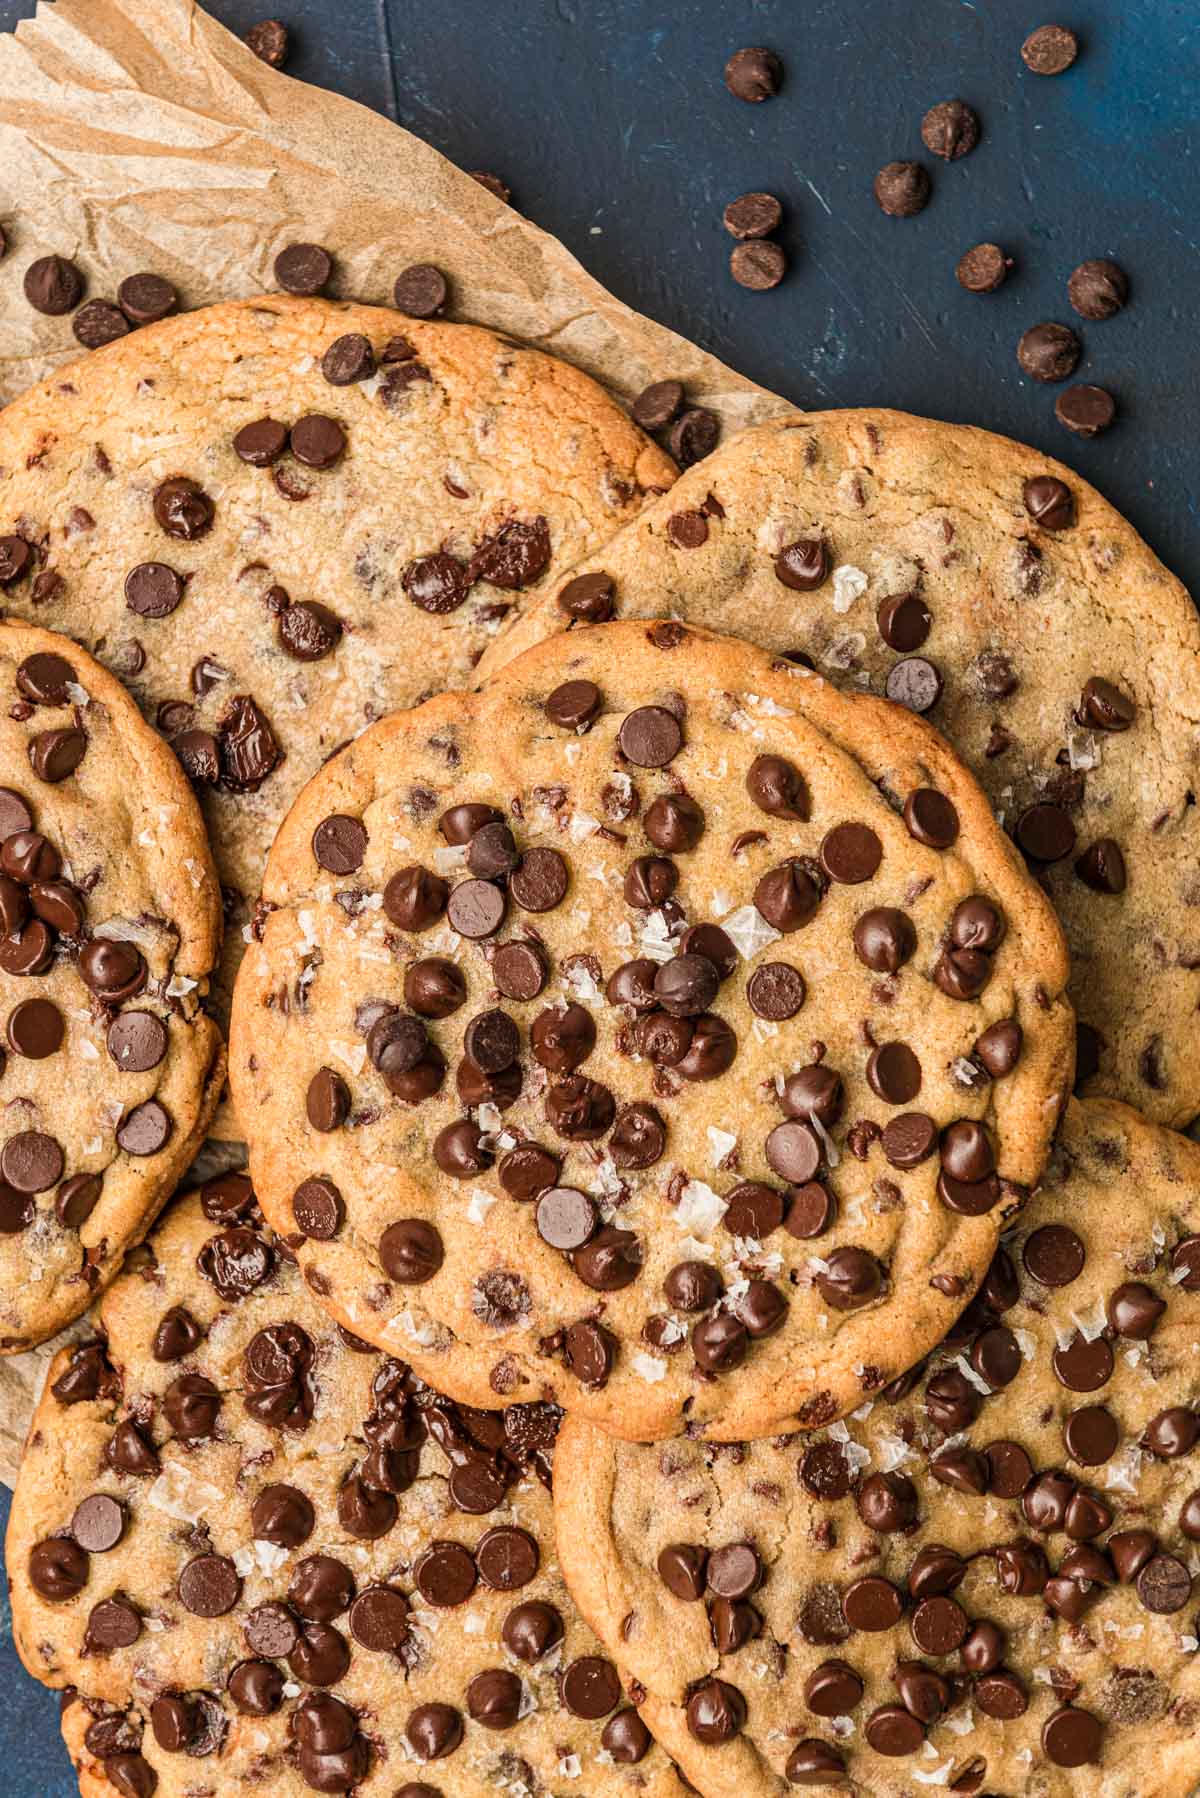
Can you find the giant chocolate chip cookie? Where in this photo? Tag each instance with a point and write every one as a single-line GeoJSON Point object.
{"type": "Point", "coordinates": [975, 581]}
{"type": "Point", "coordinates": [278, 519]}
{"type": "Point", "coordinates": [984, 1580]}
{"type": "Point", "coordinates": [110, 925]}
{"type": "Point", "coordinates": [267, 1558]}
{"type": "Point", "coordinates": [659, 1030]}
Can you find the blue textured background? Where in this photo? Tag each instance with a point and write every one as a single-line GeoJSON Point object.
{"type": "Point", "coordinates": [609, 120]}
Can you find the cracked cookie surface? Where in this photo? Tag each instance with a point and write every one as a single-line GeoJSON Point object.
{"type": "Point", "coordinates": [111, 921]}
{"type": "Point", "coordinates": [984, 1580]}
{"type": "Point", "coordinates": [278, 519]}
{"type": "Point", "coordinates": [981, 582]}
{"type": "Point", "coordinates": [266, 1557]}
{"type": "Point", "coordinates": [659, 1030]}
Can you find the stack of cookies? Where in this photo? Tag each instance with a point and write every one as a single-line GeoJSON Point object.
{"type": "Point", "coordinates": [677, 1330]}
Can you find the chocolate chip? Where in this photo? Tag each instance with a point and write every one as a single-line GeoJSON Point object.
{"type": "Point", "coordinates": [137, 1041]}
{"type": "Point", "coordinates": [518, 969]}
{"type": "Point", "coordinates": [894, 1073]}
{"type": "Point", "coordinates": [421, 291]}
{"type": "Point", "coordinates": [540, 883]}
{"type": "Point", "coordinates": [758, 265]}
{"type": "Point", "coordinates": [411, 1251]}
{"type": "Point", "coordinates": [914, 683]}
{"type": "Point", "coordinates": [810, 1211]}
{"type": "Point", "coordinates": [35, 1029]}
{"type": "Point", "coordinates": [317, 440]}
{"type": "Point", "coordinates": [16, 558]}
{"type": "Point", "coordinates": [1049, 502]}
{"type": "Point", "coordinates": [813, 1762]}
{"type": "Point", "coordinates": [777, 788]}
{"type": "Point", "coordinates": [76, 1199]}
{"type": "Point", "coordinates": [55, 754]}
{"type": "Point", "coordinates": [752, 215]}
{"type": "Point", "coordinates": [144, 298]}
{"type": "Point", "coordinates": [983, 268]}
{"type": "Point", "coordinates": [507, 1559]}
{"type": "Point", "coordinates": [754, 74]}
{"type": "Point", "coordinates": [851, 1278]}
{"type": "Point", "coordinates": [590, 1352]}
{"type": "Point", "coordinates": [1045, 833]}
{"type": "Point", "coordinates": [1085, 410]}
{"type": "Point", "coordinates": [269, 42]}
{"type": "Point", "coordinates": [1070, 1737]}
{"type": "Point", "coordinates": [902, 189]}
{"type": "Point", "coordinates": [236, 1261]}
{"type": "Point", "coordinates": [153, 590]}
{"type": "Point", "coordinates": [531, 1630]}
{"type": "Point", "coordinates": [31, 1162]}
{"type": "Point", "coordinates": [884, 939]}
{"type": "Point", "coordinates": [693, 436]}
{"type": "Point", "coordinates": [1050, 50]}
{"type": "Point", "coordinates": [1098, 289]}
{"type": "Point", "coordinates": [1054, 1255]}
{"type": "Point", "coordinates": [111, 1624]}
{"type": "Point", "coordinates": [589, 597]}
{"type": "Point", "coordinates": [303, 268]}
{"type": "Point", "coordinates": [788, 896]}
{"type": "Point", "coordinates": [58, 1569]}
{"type": "Point", "coordinates": [414, 898]}
{"type": "Point", "coordinates": [53, 285]}
{"type": "Point", "coordinates": [283, 1515]}
{"type": "Point", "coordinates": [1049, 352]}
{"type": "Point", "coordinates": [459, 1151]}
{"type": "Point", "coordinates": [610, 1261]}
{"type": "Point", "coordinates": [46, 679]}
{"type": "Point", "coordinates": [182, 509]}
{"type": "Point", "coordinates": [99, 322]}
{"type": "Point", "coordinates": [950, 130]}
{"type": "Point", "coordinates": [348, 359]}
{"type": "Point", "coordinates": [1172, 1432]}
{"type": "Point", "coordinates": [209, 1586]}
{"type": "Point", "coordinates": [851, 853]}
{"type": "Point", "coordinates": [639, 1137]}
{"type": "Point", "coordinates": [775, 991]}
{"type": "Point", "coordinates": [909, 1139]}
{"type": "Point", "coordinates": [476, 907]}
{"type": "Point", "coordinates": [872, 1603]}
{"type": "Point", "coordinates": [327, 1100]}
{"type": "Point", "coordinates": [903, 622]}
{"type": "Point", "coordinates": [693, 1286]}
{"type": "Point", "coordinates": [832, 1689]}
{"type": "Point", "coordinates": [574, 704]}
{"type": "Point", "coordinates": [98, 1523]}
{"type": "Point", "coordinates": [308, 632]}
{"type": "Point", "coordinates": [650, 737]}
{"type": "Point", "coordinates": [566, 1218]}
{"type": "Point", "coordinates": [318, 1209]}
{"type": "Point", "coordinates": [804, 565]}
{"type": "Point", "coordinates": [887, 1502]}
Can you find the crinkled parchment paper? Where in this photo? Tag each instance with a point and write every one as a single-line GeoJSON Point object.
{"type": "Point", "coordinates": [139, 134]}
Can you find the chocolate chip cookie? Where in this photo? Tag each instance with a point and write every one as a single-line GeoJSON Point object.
{"type": "Point", "coordinates": [267, 1557]}
{"type": "Point", "coordinates": [984, 1579]}
{"type": "Point", "coordinates": [977, 582]}
{"type": "Point", "coordinates": [278, 519]}
{"type": "Point", "coordinates": [110, 924]}
{"type": "Point", "coordinates": [659, 1030]}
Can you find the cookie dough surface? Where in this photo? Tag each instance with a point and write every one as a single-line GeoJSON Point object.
{"type": "Point", "coordinates": [266, 1557]}
{"type": "Point", "coordinates": [273, 541]}
{"type": "Point", "coordinates": [984, 1579]}
{"type": "Point", "coordinates": [968, 573]}
{"type": "Point", "coordinates": [110, 920]}
{"type": "Point", "coordinates": [611, 1063]}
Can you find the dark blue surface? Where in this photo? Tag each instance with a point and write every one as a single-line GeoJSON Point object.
{"type": "Point", "coordinates": [610, 121]}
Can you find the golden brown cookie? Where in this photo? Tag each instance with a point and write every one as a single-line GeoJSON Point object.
{"type": "Point", "coordinates": [994, 590]}
{"type": "Point", "coordinates": [268, 1558]}
{"type": "Point", "coordinates": [111, 925]}
{"type": "Point", "coordinates": [673, 1040]}
{"type": "Point", "coordinates": [984, 1579]}
{"type": "Point", "coordinates": [278, 519]}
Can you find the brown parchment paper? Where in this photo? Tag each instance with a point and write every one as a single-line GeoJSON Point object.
{"type": "Point", "coordinates": [140, 134]}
